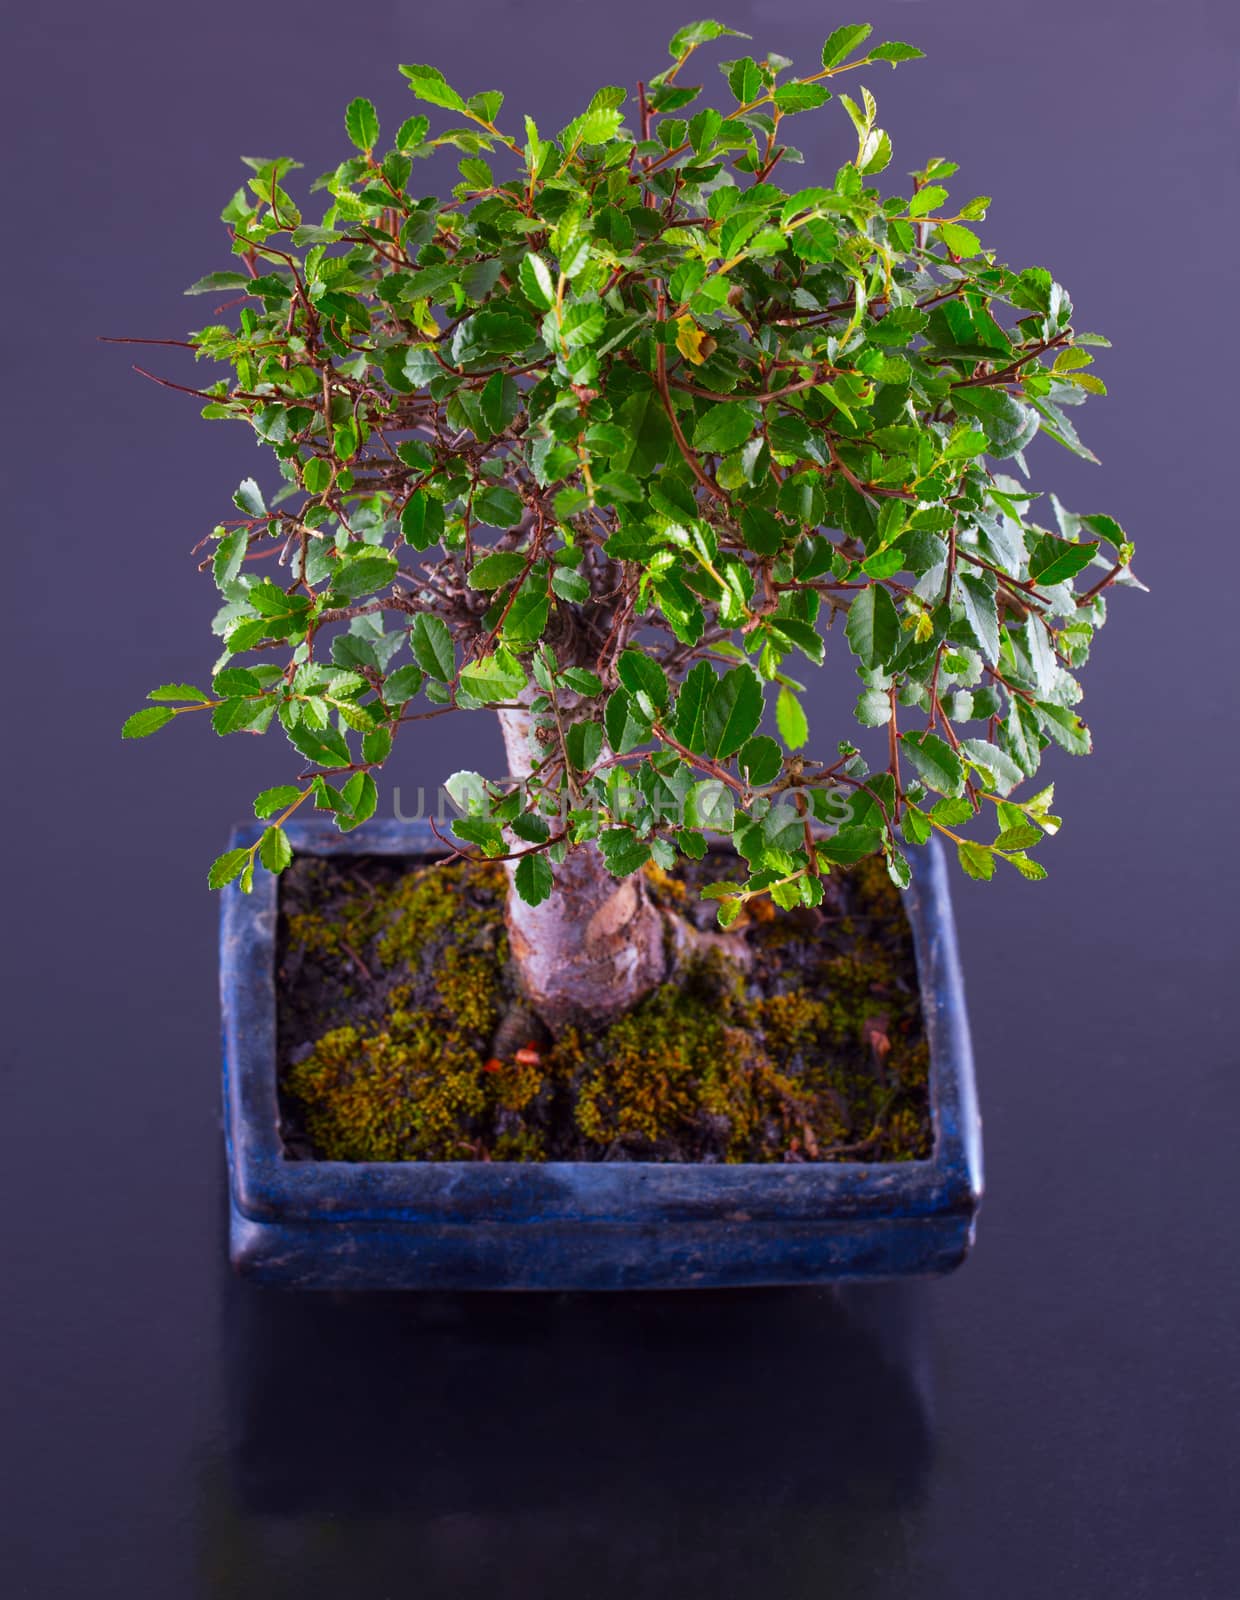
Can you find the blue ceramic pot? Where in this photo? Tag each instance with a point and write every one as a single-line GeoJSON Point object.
{"type": "Point", "coordinates": [452, 1225]}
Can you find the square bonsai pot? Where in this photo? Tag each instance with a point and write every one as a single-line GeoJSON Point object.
{"type": "Point", "coordinates": [454, 1225]}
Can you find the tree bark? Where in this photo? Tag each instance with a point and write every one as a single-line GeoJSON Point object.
{"type": "Point", "coordinates": [596, 946]}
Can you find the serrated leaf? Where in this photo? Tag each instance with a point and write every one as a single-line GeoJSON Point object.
{"type": "Point", "coordinates": [361, 123]}
{"type": "Point", "coordinates": [724, 426]}
{"type": "Point", "coordinates": [689, 722]}
{"type": "Point", "coordinates": [226, 867]}
{"type": "Point", "coordinates": [582, 742]}
{"type": "Point", "coordinates": [494, 570]}
{"type": "Point", "coordinates": [1055, 560]}
{"type": "Point", "coordinates": [274, 850]}
{"type": "Point", "coordinates": [147, 721]}
{"type": "Point", "coordinates": [641, 675]}
{"type": "Point", "coordinates": [179, 691]}
{"type": "Point", "coordinates": [873, 626]}
{"type": "Point", "coordinates": [977, 599]}
{"type": "Point", "coordinates": [428, 84]}
{"type": "Point", "coordinates": [249, 498]}
{"type": "Point", "coordinates": [761, 760]}
{"type": "Point", "coordinates": [536, 281]}
{"type": "Point", "coordinates": [229, 556]}
{"type": "Point", "coordinates": [278, 799]}
{"type": "Point", "coordinates": [935, 761]}
{"type": "Point", "coordinates": [430, 643]}
{"type": "Point", "coordinates": [325, 747]}
{"type": "Point", "coordinates": [976, 860]}
{"type": "Point", "coordinates": [623, 851]}
{"type": "Point", "coordinates": [843, 41]}
{"type": "Point", "coordinates": [218, 282]}
{"type": "Point", "coordinates": [733, 712]}
{"type": "Point", "coordinates": [533, 878]}
{"type": "Point", "coordinates": [894, 51]}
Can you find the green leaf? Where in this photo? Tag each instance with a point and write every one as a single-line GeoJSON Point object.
{"type": "Point", "coordinates": [274, 850]}
{"type": "Point", "coordinates": [323, 746]}
{"type": "Point", "coordinates": [536, 281]}
{"type": "Point", "coordinates": [402, 685]}
{"type": "Point", "coordinates": [696, 33]}
{"type": "Point", "coordinates": [377, 745]}
{"type": "Point", "coordinates": [709, 805]}
{"type": "Point", "coordinates": [873, 627]}
{"type": "Point", "coordinates": [791, 97]}
{"type": "Point", "coordinates": [229, 556]}
{"type": "Point", "coordinates": [1008, 425]}
{"type": "Point", "coordinates": [495, 570]}
{"type": "Point", "coordinates": [494, 678]}
{"type": "Point", "coordinates": [976, 859]}
{"type": "Point", "coordinates": [744, 79]}
{"type": "Point", "coordinates": [421, 521]}
{"type": "Point", "coordinates": [623, 852]}
{"type": "Point", "coordinates": [490, 333]}
{"type": "Point", "coordinates": [791, 720]}
{"type": "Point", "coordinates": [625, 725]}
{"type": "Point", "coordinates": [689, 722]}
{"type": "Point", "coordinates": [1055, 560]}
{"type": "Point", "coordinates": [361, 796]}
{"type": "Point", "coordinates": [277, 799]}
{"type": "Point", "coordinates": [843, 41]}
{"type": "Point", "coordinates": [146, 721]}
{"type": "Point", "coordinates": [761, 760]}
{"type": "Point", "coordinates": [977, 599]}
{"type": "Point", "coordinates": [498, 507]}
{"type": "Point", "coordinates": [641, 675]}
{"type": "Point", "coordinates": [316, 474]}
{"type": "Point", "coordinates": [219, 282]}
{"type": "Point", "coordinates": [583, 741]}
{"type": "Point", "coordinates": [935, 761]}
{"type": "Point", "coordinates": [179, 691]}
{"type": "Point", "coordinates": [927, 200]}
{"type": "Point", "coordinates": [249, 498]}
{"type": "Point", "coordinates": [1018, 837]}
{"type": "Point", "coordinates": [226, 867]}
{"type": "Point", "coordinates": [894, 51]}
{"type": "Point", "coordinates": [916, 824]}
{"type": "Point", "coordinates": [428, 84]}
{"type": "Point", "coordinates": [724, 426]}
{"type": "Point", "coordinates": [1065, 728]}
{"type": "Point", "coordinates": [430, 643]}
{"type": "Point", "coordinates": [361, 123]}
{"type": "Point", "coordinates": [1004, 773]}
{"type": "Point", "coordinates": [533, 878]}
{"type": "Point", "coordinates": [733, 712]}
{"type": "Point", "coordinates": [364, 575]}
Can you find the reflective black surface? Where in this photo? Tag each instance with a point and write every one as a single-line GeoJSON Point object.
{"type": "Point", "coordinates": [1057, 1420]}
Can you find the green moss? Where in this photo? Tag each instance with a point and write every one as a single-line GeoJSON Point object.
{"type": "Point", "coordinates": [682, 1067]}
{"type": "Point", "coordinates": [403, 1094]}
{"type": "Point", "coordinates": [712, 1065]}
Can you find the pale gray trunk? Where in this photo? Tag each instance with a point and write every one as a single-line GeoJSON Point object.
{"type": "Point", "coordinates": [596, 946]}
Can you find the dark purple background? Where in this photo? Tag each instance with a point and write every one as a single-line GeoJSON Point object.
{"type": "Point", "coordinates": [1060, 1418]}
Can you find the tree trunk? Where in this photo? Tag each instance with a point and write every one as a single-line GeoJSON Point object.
{"type": "Point", "coordinates": [596, 946]}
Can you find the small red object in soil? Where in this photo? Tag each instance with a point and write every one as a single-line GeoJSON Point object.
{"type": "Point", "coordinates": [528, 1056]}
{"type": "Point", "coordinates": [493, 1065]}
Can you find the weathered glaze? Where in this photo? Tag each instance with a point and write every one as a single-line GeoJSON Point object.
{"type": "Point", "coordinates": [582, 1225]}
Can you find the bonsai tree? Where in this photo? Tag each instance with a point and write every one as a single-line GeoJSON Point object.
{"type": "Point", "coordinates": [615, 442]}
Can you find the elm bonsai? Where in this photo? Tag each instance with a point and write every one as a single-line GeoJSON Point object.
{"type": "Point", "coordinates": [606, 443]}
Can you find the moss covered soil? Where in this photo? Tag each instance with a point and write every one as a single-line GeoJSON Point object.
{"type": "Point", "coordinates": [402, 1036]}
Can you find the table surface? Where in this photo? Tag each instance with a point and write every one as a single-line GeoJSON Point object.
{"type": "Point", "coordinates": [1059, 1418]}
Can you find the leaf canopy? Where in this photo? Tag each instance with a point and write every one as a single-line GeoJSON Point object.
{"type": "Point", "coordinates": [615, 432]}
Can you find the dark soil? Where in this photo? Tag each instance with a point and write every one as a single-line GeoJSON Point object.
{"type": "Point", "coordinates": [402, 1035]}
